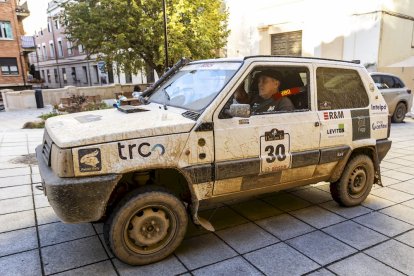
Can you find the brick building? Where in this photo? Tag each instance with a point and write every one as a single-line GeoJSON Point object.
{"type": "Point", "coordinates": [14, 46]}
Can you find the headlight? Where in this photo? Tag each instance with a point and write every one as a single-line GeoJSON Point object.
{"type": "Point", "coordinates": [61, 162]}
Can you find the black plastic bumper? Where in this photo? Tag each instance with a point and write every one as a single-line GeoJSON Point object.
{"type": "Point", "coordinates": [76, 199]}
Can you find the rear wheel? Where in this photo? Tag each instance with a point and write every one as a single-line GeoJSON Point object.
{"type": "Point", "coordinates": [399, 113]}
{"type": "Point", "coordinates": [355, 183]}
{"type": "Point", "coordinates": [146, 227]}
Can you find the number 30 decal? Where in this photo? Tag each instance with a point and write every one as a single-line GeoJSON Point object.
{"type": "Point", "coordinates": [275, 153]}
{"type": "Point", "coordinates": [279, 153]}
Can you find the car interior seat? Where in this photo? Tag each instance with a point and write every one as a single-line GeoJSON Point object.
{"type": "Point", "coordinates": [301, 99]}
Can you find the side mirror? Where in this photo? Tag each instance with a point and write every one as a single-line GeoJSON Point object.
{"type": "Point", "coordinates": [240, 110]}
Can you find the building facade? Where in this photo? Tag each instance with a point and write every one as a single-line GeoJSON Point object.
{"type": "Point", "coordinates": [14, 46]}
{"type": "Point", "coordinates": [379, 33]}
{"type": "Point", "coordinates": [59, 62]}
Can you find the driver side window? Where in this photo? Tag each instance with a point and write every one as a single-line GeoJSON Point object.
{"type": "Point", "coordinates": [270, 90]}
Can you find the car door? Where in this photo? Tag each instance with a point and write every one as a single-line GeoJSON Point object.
{"type": "Point", "coordinates": [272, 150]}
{"type": "Point", "coordinates": [389, 90]}
{"type": "Point", "coordinates": [343, 107]}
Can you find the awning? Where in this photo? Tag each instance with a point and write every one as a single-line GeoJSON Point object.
{"type": "Point", "coordinates": [409, 62]}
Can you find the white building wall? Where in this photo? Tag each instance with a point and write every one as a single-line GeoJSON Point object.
{"type": "Point", "coordinates": [139, 78]}
{"type": "Point", "coordinates": [330, 28]}
{"type": "Point", "coordinates": [363, 42]}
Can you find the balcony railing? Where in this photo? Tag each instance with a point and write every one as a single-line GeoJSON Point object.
{"type": "Point", "coordinates": [28, 44]}
{"type": "Point", "coordinates": [22, 10]}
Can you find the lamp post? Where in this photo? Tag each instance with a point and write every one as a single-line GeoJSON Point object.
{"type": "Point", "coordinates": [55, 49]}
{"type": "Point", "coordinates": [164, 7]}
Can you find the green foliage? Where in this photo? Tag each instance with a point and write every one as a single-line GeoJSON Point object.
{"type": "Point", "coordinates": [31, 125]}
{"type": "Point", "coordinates": [130, 32]}
{"type": "Point", "coordinates": [46, 116]}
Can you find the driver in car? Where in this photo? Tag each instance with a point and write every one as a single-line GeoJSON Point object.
{"type": "Point", "coordinates": [269, 98]}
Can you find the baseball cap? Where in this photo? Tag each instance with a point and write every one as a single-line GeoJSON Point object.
{"type": "Point", "coordinates": [270, 73]}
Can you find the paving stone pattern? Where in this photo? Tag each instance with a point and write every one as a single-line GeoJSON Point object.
{"type": "Point", "coordinates": [295, 232]}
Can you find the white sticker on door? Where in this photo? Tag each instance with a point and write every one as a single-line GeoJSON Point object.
{"type": "Point", "coordinates": [275, 151]}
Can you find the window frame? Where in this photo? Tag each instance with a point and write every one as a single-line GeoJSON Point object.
{"type": "Point", "coordinates": [70, 48]}
{"type": "Point", "coordinates": [60, 47]}
{"type": "Point", "coordinates": [307, 68]}
{"type": "Point", "coordinates": [52, 49]}
{"type": "Point", "coordinates": [4, 30]}
{"type": "Point", "coordinates": [9, 63]}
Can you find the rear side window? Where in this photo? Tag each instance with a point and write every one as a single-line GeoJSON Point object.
{"type": "Point", "coordinates": [388, 81]}
{"type": "Point", "coordinates": [398, 83]}
{"type": "Point", "coordinates": [340, 89]}
{"type": "Point", "coordinates": [384, 82]}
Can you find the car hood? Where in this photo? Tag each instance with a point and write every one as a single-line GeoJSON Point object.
{"type": "Point", "coordinates": [101, 126]}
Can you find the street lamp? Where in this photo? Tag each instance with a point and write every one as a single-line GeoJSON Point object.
{"type": "Point", "coordinates": [164, 7]}
{"type": "Point", "coordinates": [51, 20]}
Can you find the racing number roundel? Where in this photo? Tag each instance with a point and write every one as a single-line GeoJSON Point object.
{"type": "Point", "coordinates": [275, 151]}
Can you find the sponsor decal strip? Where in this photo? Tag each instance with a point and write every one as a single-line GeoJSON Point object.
{"type": "Point", "coordinates": [331, 115]}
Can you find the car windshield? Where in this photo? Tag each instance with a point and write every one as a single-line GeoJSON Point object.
{"type": "Point", "coordinates": [194, 86]}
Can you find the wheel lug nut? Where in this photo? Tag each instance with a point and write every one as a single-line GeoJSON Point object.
{"type": "Point", "coordinates": [149, 236]}
{"type": "Point", "coordinates": [152, 222]}
{"type": "Point", "coordinates": [157, 229]}
{"type": "Point", "coordinates": [143, 228]}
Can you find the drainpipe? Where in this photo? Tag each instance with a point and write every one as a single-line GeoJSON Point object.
{"type": "Point", "coordinates": [23, 69]}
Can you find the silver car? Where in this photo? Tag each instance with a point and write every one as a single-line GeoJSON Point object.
{"type": "Point", "coordinates": [395, 93]}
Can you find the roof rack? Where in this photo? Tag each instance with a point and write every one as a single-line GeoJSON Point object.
{"type": "Point", "coordinates": [298, 57]}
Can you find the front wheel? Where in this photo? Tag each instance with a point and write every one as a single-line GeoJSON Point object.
{"type": "Point", "coordinates": [355, 183]}
{"type": "Point", "coordinates": [146, 227]}
{"type": "Point", "coordinates": [399, 113]}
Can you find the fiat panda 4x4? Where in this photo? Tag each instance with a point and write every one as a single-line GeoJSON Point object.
{"type": "Point", "coordinates": [145, 170]}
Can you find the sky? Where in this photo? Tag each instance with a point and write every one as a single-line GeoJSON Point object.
{"type": "Point", "coordinates": [37, 19]}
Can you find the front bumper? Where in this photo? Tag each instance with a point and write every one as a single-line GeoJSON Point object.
{"type": "Point", "coordinates": [76, 199]}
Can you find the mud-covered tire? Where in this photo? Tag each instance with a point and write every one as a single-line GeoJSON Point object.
{"type": "Point", "coordinates": [355, 183]}
{"type": "Point", "coordinates": [399, 113]}
{"type": "Point", "coordinates": [146, 226]}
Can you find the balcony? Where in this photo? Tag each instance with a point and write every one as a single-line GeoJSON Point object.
{"type": "Point", "coordinates": [22, 11]}
{"type": "Point", "coordinates": [27, 43]}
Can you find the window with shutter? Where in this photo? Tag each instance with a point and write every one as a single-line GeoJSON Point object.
{"type": "Point", "coordinates": [287, 44]}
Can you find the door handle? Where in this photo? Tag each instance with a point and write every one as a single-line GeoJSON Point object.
{"type": "Point", "coordinates": [317, 124]}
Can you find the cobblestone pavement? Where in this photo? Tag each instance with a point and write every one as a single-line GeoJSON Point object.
{"type": "Point", "coordinates": [300, 231]}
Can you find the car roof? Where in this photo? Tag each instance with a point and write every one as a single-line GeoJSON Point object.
{"type": "Point", "coordinates": [283, 59]}
{"type": "Point", "coordinates": [384, 74]}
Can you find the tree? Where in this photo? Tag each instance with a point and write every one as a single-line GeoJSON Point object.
{"type": "Point", "coordinates": [130, 32]}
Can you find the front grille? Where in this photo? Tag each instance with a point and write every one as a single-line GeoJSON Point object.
{"type": "Point", "coordinates": [47, 148]}
{"type": "Point", "coordinates": [191, 115]}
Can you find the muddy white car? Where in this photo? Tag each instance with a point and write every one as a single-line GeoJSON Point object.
{"type": "Point", "coordinates": [146, 170]}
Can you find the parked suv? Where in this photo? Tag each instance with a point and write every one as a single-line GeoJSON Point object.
{"type": "Point", "coordinates": [144, 170]}
{"type": "Point", "coordinates": [395, 93]}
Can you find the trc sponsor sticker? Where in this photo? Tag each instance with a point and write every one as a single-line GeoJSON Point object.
{"type": "Point", "coordinates": [90, 160]}
{"type": "Point", "coordinates": [132, 151]}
